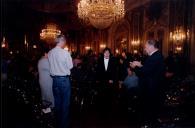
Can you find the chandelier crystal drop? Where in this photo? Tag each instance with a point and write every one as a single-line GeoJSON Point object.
{"type": "Point", "coordinates": [101, 13]}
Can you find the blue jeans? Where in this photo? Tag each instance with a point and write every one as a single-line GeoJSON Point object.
{"type": "Point", "coordinates": [61, 92]}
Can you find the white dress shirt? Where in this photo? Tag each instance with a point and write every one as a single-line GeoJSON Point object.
{"type": "Point", "coordinates": [60, 62]}
{"type": "Point", "coordinates": [153, 52]}
{"type": "Point", "coordinates": [106, 63]}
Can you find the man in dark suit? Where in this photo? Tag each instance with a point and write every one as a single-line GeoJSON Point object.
{"type": "Point", "coordinates": [151, 75]}
{"type": "Point", "coordinates": [106, 71]}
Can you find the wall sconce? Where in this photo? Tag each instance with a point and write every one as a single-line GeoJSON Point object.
{"type": "Point", "coordinates": [123, 40]}
{"type": "Point", "coordinates": [178, 34]}
{"type": "Point", "coordinates": [102, 46]}
{"type": "Point", "coordinates": [117, 51]}
{"type": "Point", "coordinates": [3, 45]}
{"type": "Point", "coordinates": [135, 51]}
{"type": "Point", "coordinates": [178, 49]}
{"type": "Point", "coordinates": [87, 47]}
{"type": "Point", "coordinates": [34, 46]}
{"type": "Point", "coordinates": [135, 42]}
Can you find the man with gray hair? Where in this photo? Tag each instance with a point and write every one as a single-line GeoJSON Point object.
{"type": "Point", "coordinates": [151, 74]}
{"type": "Point", "coordinates": [60, 65]}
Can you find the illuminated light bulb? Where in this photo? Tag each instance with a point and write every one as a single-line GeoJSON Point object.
{"type": "Point", "coordinates": [102, 45]}
{"type": "Point", "coordinates": [66, 48]}
{"type": "Point", "coordinates": [34, 46]}
{"type": "Point", "coordinates": [87, 47]}
{"type": "Point", "coordinates": [178, 48]}
{"type": "Point", "coordinates": [3, 45]}
{"type": "Point", "coordinates": [135, 42]}
{"type": "Point", "coordinates": [117, 51]}
{"type": "Point", "coordinates": [135, 51]}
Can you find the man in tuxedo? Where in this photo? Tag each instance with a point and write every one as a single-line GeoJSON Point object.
{"type": "Point", "coordinates": [106, 67]}
{"type": "Point", "coordinates": [151, 74]}
{"type": "Point", "coordinates": [106, 71]}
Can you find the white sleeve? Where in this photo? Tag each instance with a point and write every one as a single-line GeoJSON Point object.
{"type": "Point", "coordinates": [69, 61]}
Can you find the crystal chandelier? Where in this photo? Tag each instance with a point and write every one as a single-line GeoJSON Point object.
{"type": "Point", "coordinates": [50, 32]}
{"type": "Point", "coordinates": [101, 13]}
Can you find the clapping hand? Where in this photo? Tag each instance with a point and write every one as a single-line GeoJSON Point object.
{"type": "Point", "coordinates": [135, 64]}
{"type": "Point", "coordinates": [110, 82]}
{"type": "Point", "coordinates": [132, 64]}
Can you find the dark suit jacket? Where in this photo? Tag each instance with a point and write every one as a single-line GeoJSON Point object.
{"type": "Point", "coordinates": [151, 75]}
{"type": "Point", "coordinates": [102, 74]}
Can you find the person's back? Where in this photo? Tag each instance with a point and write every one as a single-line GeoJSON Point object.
{"type": "Point", "coordinates": [58, 61]}
{"type": "Point", "coordinates": [60, 65]}
{"type": "Point", "coordinates": [76, 61]}
{"type": "Point", "coordinates": [43, 67]}
{"type": "Point", "coordinates": [131, 81]}
{"type": "Point", "coordinates": [131, 89]}
{"type": "Point", "coordinates": [45, 81]}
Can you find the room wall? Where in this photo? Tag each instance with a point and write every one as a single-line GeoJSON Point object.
{"type": "Point", "coordinates": [192, 45]}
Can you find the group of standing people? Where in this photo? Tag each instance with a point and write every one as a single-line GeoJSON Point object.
{"type": "Point", "coordinates": [148, 74]}
{"type": "Point", "coordinates": [55, 69]}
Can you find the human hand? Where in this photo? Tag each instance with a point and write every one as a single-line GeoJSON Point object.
{"type": "Point", "coordinates": [132, 64]}
{"type": "Point", "coordinates": [137, 63]}
{"type": "Point", "coordinates": [110, 81]}
{"type": "Point", "coordinates": [169, 74]}
{"type": "Point", "coordinates": [120, 84]}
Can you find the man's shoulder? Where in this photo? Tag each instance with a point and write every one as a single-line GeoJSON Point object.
{"type": "Point", "coordinates": [50, 51]}
{"type": "Point", "coordinates": [66, 51]}
{"type": "Point", "coordinates": [157, 54]}
{"type": "Point", "coordinates": [58, 50]}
